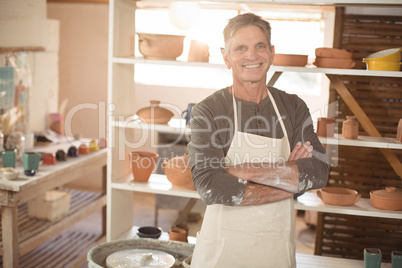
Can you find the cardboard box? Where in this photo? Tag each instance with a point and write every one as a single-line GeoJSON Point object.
{"type": "Point", "coordinates": [51, 206]}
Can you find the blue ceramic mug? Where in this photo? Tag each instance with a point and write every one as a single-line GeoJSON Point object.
{"type": "Point", "coordinates": [186, 114]}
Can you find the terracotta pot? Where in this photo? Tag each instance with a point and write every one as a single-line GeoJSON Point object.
{"type": "Point", "coordinates": [290, 60]}
{"type": "Point", "coordinates": [154, 114]}
{"type": "Point", "coordinates": [399, 131]}
{"type": "Point", "coordinates": [83, 149]}
{"type": "Point", "coordinates": [328, 52]}
{"type": "Point", "coordinates": [388, 199]}
{"type": "Point", "coordinates": [160, 46]}
{"type": "Point", "coordinates": [325, 127]}
{"type": "Point", "coordinates": [334, 63]}
{"type": "Point", "coordinates": [178, 172]}
{"type": "Point", "coordinates": [199, 52]}
{"type": "Point", "coordinates": [177, 234]}
{"type": "Point", "coordinates": [49, 159]}
{"type": "Point", "coordinates": [350, 128]}
{"type": "Point", "coordinates": [338, 196]}
{"type": "Point", "coordinates": [142, 164]}
{"type": "Point", "coordinates": [182, 226]}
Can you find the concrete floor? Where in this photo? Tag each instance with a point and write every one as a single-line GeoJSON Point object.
{"type": "Point", "coordinates": [144, 215]}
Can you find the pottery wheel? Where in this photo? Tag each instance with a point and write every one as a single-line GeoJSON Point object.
{"type": "Point", "coordinates": [131, 258]}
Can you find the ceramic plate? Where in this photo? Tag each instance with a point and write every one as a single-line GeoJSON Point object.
{"type": "Point", "coordinates": [131, 258]}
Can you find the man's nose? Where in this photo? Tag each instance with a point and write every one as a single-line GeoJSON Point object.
{"type": "Point", "coordinates": [251, 54]}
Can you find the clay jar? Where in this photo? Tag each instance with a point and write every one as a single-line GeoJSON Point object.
{"type": "Point", "coordinates": [325, 127]}
{"type": "Point", "coordinates": [178, 172]}
{"type": "Point", "coordinates": [388, 199]}
{"type": "Point", "coordinates": [399, 131]}
{"type": "Point", "coordinates": [49, 159]}
{"type": "Point", "coordinates": [142, 164]}
{"type": "Point", "coordinates": [199, 52]}
{"type": "Point", "coordinates": [83, 149]}
{"type": "Point", "coordinates": [178, 234]}
{"type": "Point", "coordinates": [350, 128]}
{"type": "Point", "coordinates": [154, 114]}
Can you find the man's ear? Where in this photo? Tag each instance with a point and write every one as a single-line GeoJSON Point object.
{"type": "Point", "coordinates": [272, 54]}
{"type": "Point", "coordinates": [226, 59]}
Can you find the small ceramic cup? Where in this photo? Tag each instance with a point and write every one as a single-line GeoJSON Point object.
{"type": "Point", "coordinates": [396, 257]}
{"type": "Point", "coordinates": [178, 234]}
{"type": "Point", "coordinates": [372, 258]}
{"type": "Point", "coordinates": [49, 159]}
{"type": "Point", "coordinates": [30, 162]}
{"type": "Point", "coordinates": [8, 158]}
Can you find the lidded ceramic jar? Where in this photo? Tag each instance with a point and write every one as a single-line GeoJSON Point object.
{"type": "Point", "coordinates": [388, 199]}
{"type": "Point", "coordinates": [154, 114]}
{"type": "Point", "coordinates": [350, 128]}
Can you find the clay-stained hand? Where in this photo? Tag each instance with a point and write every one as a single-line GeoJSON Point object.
{"type": "Point", "coordinates": [301, 151]}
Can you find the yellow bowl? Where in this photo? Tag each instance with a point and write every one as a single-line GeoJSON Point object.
{"type": "Point", "coordinates": [393, 54]}
{"type": "Point", "coordinates": [382, 65]}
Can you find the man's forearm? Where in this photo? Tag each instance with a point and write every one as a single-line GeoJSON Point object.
{"type": "Point", "coordinates": [257, 194]}
{"type": "Point", "coordinates": [283, 176]}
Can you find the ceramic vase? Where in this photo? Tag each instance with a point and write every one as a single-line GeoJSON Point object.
{"type": "Point", "coordinates": [154, 114]}
{"type": "Point", "coordinates": [399, 131]}
{"type": "Point", "coordinates": [396, 258]}
{"type": "Point", "coordinates": [350, 128]}
{"type": "Point", "coordinates": [178, 172]}
{"type": "Point", "coordinates": [372, 258]}
{"type": "Point", "coordinates": [178, 234]}
{"type": "Point", "coordinates": [325, 127]}
{"type": "Point", "coordinates": [142, 164]}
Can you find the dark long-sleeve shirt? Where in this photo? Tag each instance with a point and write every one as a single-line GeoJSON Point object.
{"type": "Point", "coordinates": [212, 127]}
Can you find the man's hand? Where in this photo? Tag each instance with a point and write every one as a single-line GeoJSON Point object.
{"type": "Point", "coordinates": [301, 151]}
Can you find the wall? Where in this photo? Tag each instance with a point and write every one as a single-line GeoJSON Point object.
{"type": "Point", "coordinates": [82, 64]}
{"type": "Point", "coordinates": [83, 71]}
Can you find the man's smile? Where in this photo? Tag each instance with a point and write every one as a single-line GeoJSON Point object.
{"type": "Point", "coordinates": [252, 66]}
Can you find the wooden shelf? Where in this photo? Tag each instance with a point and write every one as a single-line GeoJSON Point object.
{"type": "Point", "coordinates": [310, 201]}
{"type": "Point", "coordinates": [34, 232]}
{"type": "Point", "coordinates": [158, 184]}
{"type": "Point", "coordinates": [309, 69]}
{"type": "Point", "coordinates": [68, 249]}
{"type": "Point", "coordinates": [178, 126]}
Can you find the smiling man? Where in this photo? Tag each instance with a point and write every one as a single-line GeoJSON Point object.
{"type": "Point", "coordinates": [241, 159]}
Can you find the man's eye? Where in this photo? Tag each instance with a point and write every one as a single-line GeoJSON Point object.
{"type": "Point", "coordinates": [241, 48]}
{"type": "Point", "coordinates": [261, 46]}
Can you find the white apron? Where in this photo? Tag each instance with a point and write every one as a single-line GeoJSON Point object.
{"type": "Point", "coordinates": [249, 236]}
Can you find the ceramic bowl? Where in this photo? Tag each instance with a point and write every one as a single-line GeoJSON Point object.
{"type": "Point", "coordinates": [154, 114]}
{"type": "Point", "coordinates": [142, 164]}
{"type": "Point", "coordinates": [11, 174]}
{"type": "Point", "coordinates": [392, 54]}
{"type": "Point", "coordinates": [334, 63]}
{"type": "Point", "coordinates": [178, 172]}
{"type": "Point", "coordinates": [149, 232]}
{"type": "Point", "coordinates": [160, 46]}
{"type": "Point", "coordinates": [388, 199]}
{"type": "Point", "coordinates": [338, 196]}
{"type": "Point", "coordinates": [377, 65]}
{"type": "Point", "coordinates": [290, 60]}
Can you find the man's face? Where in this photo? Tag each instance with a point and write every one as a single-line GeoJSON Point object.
{"type": "Point", "coordinates": [249, 55]}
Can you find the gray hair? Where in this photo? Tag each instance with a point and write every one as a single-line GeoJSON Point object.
{"type": "Point", "coordinates": [244, 20]}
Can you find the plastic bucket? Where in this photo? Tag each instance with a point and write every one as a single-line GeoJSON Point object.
{"type": "Point", "coordinates": [382, 65]}
{"type": "Point", "coordinates": [393, 54]}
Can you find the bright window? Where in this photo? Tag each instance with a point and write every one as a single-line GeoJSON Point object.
{"type": "Point", "coordinates": [293, 32]}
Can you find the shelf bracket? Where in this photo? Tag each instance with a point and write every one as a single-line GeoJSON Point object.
{"type": "Point", "coordinates": [365, 122]}
{"type": "Point", "coordinates": [274, 78]}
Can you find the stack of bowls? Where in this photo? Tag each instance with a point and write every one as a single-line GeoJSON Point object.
{"type": "Point", "coordinates": [327, 57]}
{"type": "Point", "coordinates": [385, 60]}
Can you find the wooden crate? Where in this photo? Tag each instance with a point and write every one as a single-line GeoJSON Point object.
{"type": "Point", "coordinates": [51, 206]}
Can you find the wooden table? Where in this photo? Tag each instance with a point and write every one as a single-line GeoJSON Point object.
{"type": "Point", "coordinates": [17, 192]}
